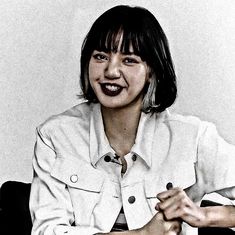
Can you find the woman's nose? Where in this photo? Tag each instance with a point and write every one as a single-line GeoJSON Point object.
{"type": "Point", "coordinates": [112, 71]}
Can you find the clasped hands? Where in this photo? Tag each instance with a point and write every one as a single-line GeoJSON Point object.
{"type": "Point", "coordinates": [174, 208]}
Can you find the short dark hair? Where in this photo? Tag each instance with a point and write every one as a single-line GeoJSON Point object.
{"type": "Point", "coordinates": [139, 28]}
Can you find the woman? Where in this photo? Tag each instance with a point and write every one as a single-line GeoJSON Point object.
{"type": "Point", "coordinates": [105, 164]}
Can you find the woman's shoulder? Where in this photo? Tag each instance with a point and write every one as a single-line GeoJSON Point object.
{"type": "Point", "coordinates": [187, 121]}
{"type": "Point", "coordinates": [188, 127]}
{"type": "Point", "coordinates": [78, 114]}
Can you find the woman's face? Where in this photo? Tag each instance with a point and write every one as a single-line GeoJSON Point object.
{"type": "Point", "coordinates": [118, 79]}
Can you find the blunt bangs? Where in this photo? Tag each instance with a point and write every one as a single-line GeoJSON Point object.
{"type": "Point", "coordinates": [111, 27]}
{"type": "Point", "coordinates": [110, 42]}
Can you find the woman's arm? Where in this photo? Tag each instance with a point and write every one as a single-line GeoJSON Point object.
{"type": "Point", "coordinates": [175, 203]}
{"type": "Point", "coordinates": [220, 216]}
{"type": "Point", "coordinates": [215, 168]}
{"type": "Point", "coordinates": [156, 226]}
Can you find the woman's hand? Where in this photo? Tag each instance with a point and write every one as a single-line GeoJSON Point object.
{"type": "Point", "coordinates": [175, 204]}
{"type": "Point", "coordinates": [156, 226]}
{"type": "Point", "coordinates": [159, 226]}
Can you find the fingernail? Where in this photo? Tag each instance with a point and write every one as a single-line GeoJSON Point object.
{"type": "Point", "coordinates": [157, 207]}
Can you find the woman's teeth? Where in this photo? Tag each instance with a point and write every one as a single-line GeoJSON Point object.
{"type": "Point", "coordinates": [112, 87]}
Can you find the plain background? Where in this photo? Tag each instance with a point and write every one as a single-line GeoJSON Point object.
{"type": "Point", "coordinates": [39, 65]}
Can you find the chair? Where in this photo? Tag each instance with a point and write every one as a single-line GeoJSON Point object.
{"type": "Point", "coordinates": [14, 215]}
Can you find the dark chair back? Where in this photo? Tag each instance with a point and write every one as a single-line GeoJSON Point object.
{"type": "Point", "coordinates": [14, 204]}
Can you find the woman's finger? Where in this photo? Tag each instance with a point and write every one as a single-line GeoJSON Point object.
{"type": "Point", "coordinates": [169, 193]}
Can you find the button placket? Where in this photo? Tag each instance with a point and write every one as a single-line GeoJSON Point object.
{"type": "Point", "coordinates": [135, 204]}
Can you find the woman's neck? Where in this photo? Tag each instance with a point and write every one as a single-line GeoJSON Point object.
{"type": "Point", "coordinates": [121, 127]}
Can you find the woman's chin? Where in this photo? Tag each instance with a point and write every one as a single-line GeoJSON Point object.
{"type": "Point", "coordinates": [112, 106]}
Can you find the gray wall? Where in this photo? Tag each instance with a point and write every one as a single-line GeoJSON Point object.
{"type": "Point", "coordinates": [39, 65]}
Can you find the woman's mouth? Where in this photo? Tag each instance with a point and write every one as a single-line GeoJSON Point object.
{"type": "Point", "coordinates": [111, 89]}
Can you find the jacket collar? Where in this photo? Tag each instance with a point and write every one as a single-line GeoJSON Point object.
{"type": "Point", "coordinates": [99, 144]}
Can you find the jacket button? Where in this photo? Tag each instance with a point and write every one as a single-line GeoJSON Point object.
{"type": "Point", "coordinates": [169, 186]}
{"type": "Point", "coordinates": [134, 157]}
{"type": "Point", "coordinates": [131, 199]}
{"type": "Point", "coordinates": [73, 178]}
{"type": "Point", "coordinates": [107, 158]}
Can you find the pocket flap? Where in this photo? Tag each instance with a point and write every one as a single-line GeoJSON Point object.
{"type": "Point", "coordinates": [181, 175]}
{"type": "Point", "coordinates": [77, 173]}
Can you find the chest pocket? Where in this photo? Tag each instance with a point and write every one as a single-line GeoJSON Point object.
{"type": "Point", "coordinates": [180, 175]}
{"type": "Point", "coordinates": [84, 184]}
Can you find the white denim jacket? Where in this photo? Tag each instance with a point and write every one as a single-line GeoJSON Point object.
{"type": "Point", "coordinates": [74, 184]}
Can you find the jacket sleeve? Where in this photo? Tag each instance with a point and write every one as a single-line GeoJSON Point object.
{"type": "Point", "coordinates": [50, 204]}
{"type": "Point", "coordinates": [216, 163]}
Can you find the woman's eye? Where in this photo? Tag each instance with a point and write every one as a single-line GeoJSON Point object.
{"type": "Point", "coordinates": [99, 56]}
{"type": "Point", "coordinates": [130, 61]}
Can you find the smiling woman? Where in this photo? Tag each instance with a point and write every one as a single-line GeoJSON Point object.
{"type": "Point", "coordinates": [118, 79]}
{"type": "Point", "coordinates": [108, 165]}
